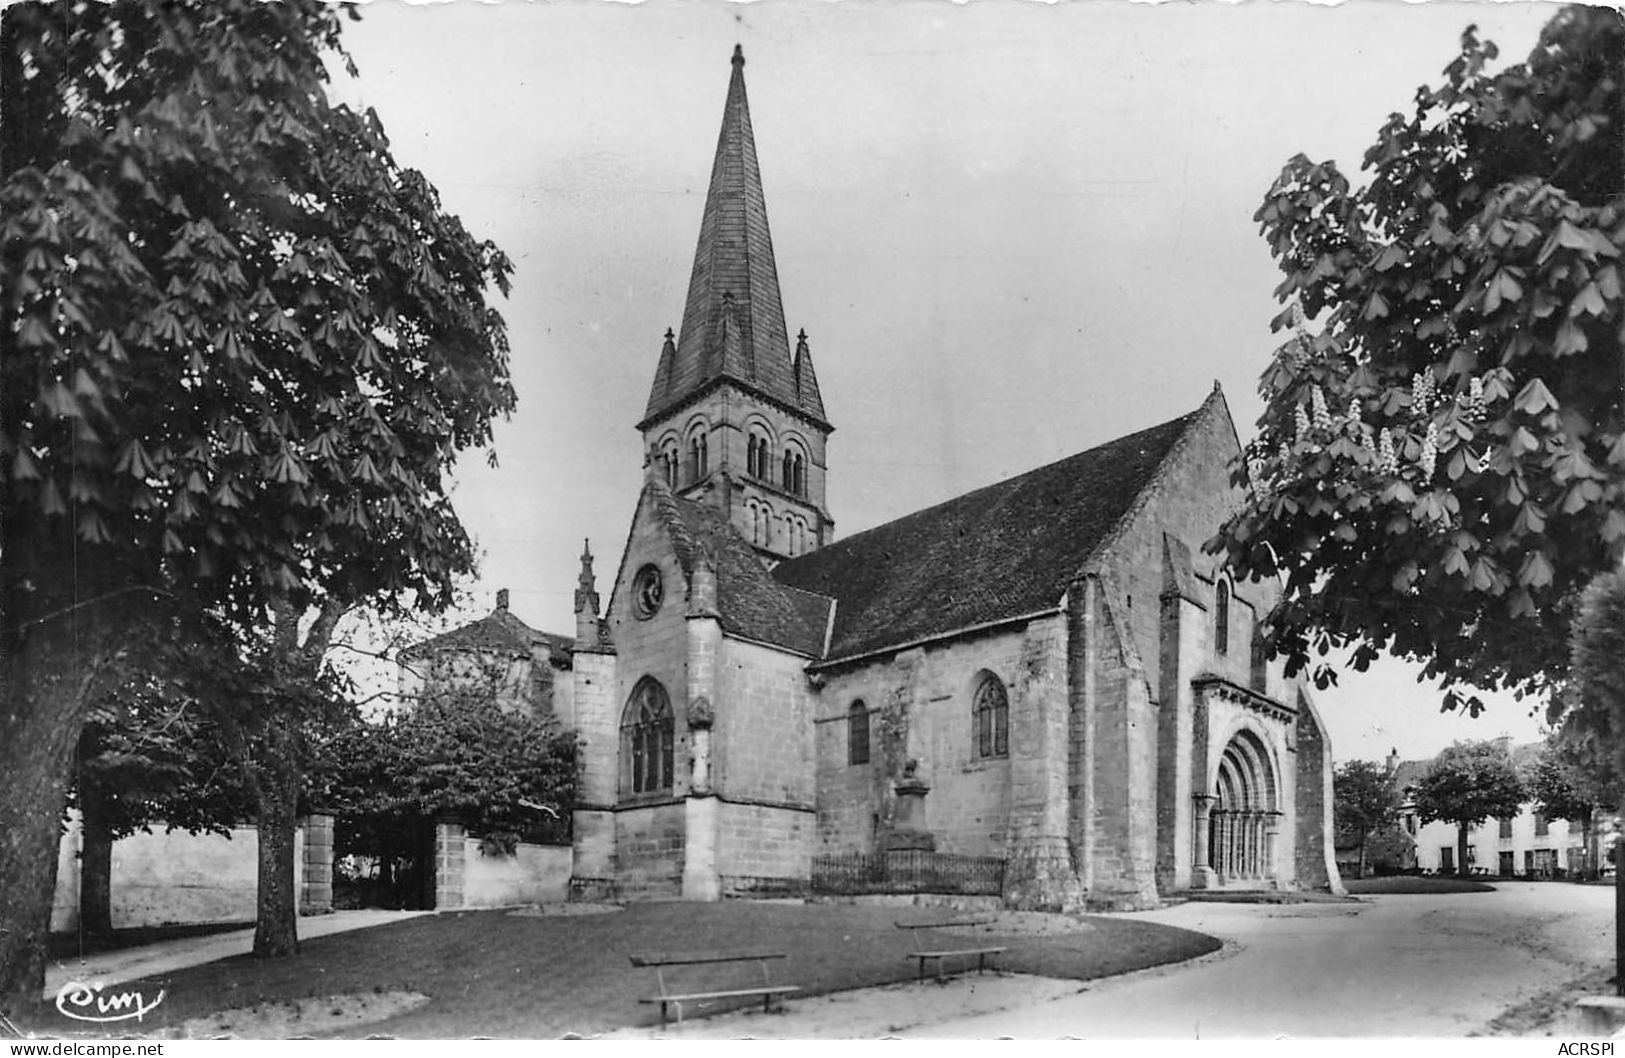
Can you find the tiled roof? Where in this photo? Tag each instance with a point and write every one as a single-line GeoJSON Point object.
{"type": "Point", "coordinates": [1000, 552]}
{"type": "Point", "coordinates": [750, 603]}
{"type": "Point", "coordinates": [733, 320]}
{"type": "Point", "coordinates": [498, 630]}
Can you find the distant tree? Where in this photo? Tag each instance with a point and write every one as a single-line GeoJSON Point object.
{"type": "Point", "coordinates": [1562, 788]}
{"type": "Point", "coordinates": [243, 347]}
{"type": "Point", "coordinates": [506, 774]}
{"type": "Point", "coordinates": [1440, 467]}
{"type": "Point", "coordinates": [1364, 798]}
{"type": "Point", "coordinates": [1466, 784]}
{"type": "Point", "coordinates": [146, 757]}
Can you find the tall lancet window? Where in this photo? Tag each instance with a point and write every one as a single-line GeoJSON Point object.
{"type": "Point", "coordinates": [646, 739]}
{"type": "Point", "coordinates": [1221, 618]}
{"type": "Point", "coordinates": [991, 710]}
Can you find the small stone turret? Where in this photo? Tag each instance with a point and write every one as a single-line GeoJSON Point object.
{"type": "Point", "coordinates": [590, 629]}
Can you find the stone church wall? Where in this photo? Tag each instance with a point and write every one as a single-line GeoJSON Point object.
{"type": "Point", "coordinates": [920, 708]}
{"type": "Point", "coordinates": [1123, 809]}
{"type": "Point", "coordinates": [1188, 500]}
{"type": "Point", "coordinates": [762, 741]}
{"type": "Point", "coordinates": [764, 850]}
{"type": "Point", "coordinates": [649, 846]}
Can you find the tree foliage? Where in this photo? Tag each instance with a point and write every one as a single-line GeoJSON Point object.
{"type": "Point", "coordinates": [1564, 788]}
{"type": "Point", "coordinates": [505, 774]}
{"type": "Point", "coordinates": [247, 342]}
{"type": "Point", "coordinates": [1467, 783]}
{"type": "Point", "coordinates": [243, 348]}
{"type": "Point", "coordinates": [1364, 799]}
{"type": "Point", "coordinates": [1441, 463]}
{"type": "Point", "coordinates": [1597, 670]}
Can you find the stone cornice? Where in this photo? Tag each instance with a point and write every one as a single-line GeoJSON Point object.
{"type": "Point", "coordinates": [1210, 685]}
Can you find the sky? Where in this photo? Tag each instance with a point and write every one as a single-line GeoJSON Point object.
{"type": "Point", "coordinates": [1011, 230]}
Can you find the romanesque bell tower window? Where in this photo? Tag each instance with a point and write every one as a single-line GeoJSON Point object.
{"type": "Point", "coordinates": [758, 460]}
{"type": "Point", "coordinates": [857, 733]}
{"type": "Point", "coordinates": [668, 460]}
{"type": "Point", "coordinates": [646, 739]}
{"type": "Point", "coordinates": [991, 710]}
{"type": "Point", "coordinates": [699, 460]}
{"type": "Point", "coordinates": [1221, 618]}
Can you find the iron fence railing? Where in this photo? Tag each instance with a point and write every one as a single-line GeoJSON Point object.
{"type": "Point", "coordinates": [907, 871]}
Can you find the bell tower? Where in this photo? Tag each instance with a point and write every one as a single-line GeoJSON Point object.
{"type": "Point", "coordinates": [735, 417]}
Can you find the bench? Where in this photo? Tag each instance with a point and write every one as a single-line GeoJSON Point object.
{"type": "Point", "coordinates": [958, 923]}
{"type": "Point", "coordinates": [661, 962]}
{"type": "Point", "coordinates": [983, 956]}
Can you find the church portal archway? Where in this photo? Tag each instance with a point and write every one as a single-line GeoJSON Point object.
{"type": "Point", "coordinates": [1246, 813]}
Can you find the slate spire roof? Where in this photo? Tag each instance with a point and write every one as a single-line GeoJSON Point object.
{"type": "Point", "coordinates": [733, 322]}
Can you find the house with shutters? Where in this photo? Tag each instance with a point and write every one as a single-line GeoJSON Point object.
{"type": "Point", "coordinates": [1047, 675]}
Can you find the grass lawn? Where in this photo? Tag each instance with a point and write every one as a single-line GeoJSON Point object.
{"type": "Point", "coordinates": [496, 973]}
{"type": "Point", "coordinates": [1409, 883]}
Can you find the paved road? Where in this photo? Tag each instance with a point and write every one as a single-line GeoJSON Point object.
{"type": "Point", "coordinates": [1441, 965]}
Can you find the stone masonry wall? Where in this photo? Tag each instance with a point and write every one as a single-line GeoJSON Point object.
{"type": "Point", "coordinates": [649, 851]}
{"type": "Point", "coordinates": [727, 413]}
{"type": "Point", "coordinates": [762, 741]}
{"type": "Point", "coordinates": [920, 707]}
{"type": "Point", "coordinates": [764, 850]}
{"type": "Point", "coordinates": [1189, 500]}
{"type": "Point", "coordinates": [1124, 809]}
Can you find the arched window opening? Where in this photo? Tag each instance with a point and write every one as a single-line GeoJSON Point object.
{"type": "Point", "coordinates": [991, 709]}
{"type": "Point", "coordinates": [758, 457]}
{"type": "Point", "coordinates": [1221, 618]}
{"type": "Point", "coordinates": [788, 477]}
{"type": "Point", "coordinates": [646, 739]}
{"type": "Point", "coordinates": [799, 484]}
{"type": "Point", "coordinates": [669, 457]}
{"type": "Point", "coordinates": [698, 458]}
{"type": "Point", "coordinates": [857, 733]}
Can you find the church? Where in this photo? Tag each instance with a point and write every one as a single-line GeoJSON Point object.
{"type": "Point", "coordinates": [1047, 674]}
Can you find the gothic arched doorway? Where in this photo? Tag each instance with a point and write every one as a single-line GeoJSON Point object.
{"type": "Point", "coordinates": [1245, 818]}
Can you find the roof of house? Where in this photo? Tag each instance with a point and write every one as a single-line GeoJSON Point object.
{"type": "Point", "coordinates": [1000, 552]}
{"type": "Point", "coordinates": [733, 320]}
{"type": "Point", "coordinates": [498, 631]}
{"type": "Point", "coordinates": [750, 603]}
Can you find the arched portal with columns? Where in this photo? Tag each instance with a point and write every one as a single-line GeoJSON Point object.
{"type": "Point", "coordinates": [1244, 821]}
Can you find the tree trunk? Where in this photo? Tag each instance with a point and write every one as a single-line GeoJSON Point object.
{"type": "Point", "coordinates": [43, 703]}
{"type": "Point", "coordinates": [95, 867]}
{"type": "Point", "coordinates": [276, 929]}
{"type": "Point", "coordinates": [1462, 871]}
{"type": "Point", "coordinates": [1362, 857]}
{"type": "Point", "coordinates": [276, 768]}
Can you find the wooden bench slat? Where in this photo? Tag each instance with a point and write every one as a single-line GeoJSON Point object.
{"type": "Point", "coordinates": [945, 925]}
{"type": "Point", "coordinates": [953, 951]}
{"type": "Point", "coordinates": [698, 957]}
{"type": "Point", "coordinates": [765, 990]}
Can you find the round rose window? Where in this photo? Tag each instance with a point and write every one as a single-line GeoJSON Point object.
{"type": "Point", "coordinates": [647, 592]}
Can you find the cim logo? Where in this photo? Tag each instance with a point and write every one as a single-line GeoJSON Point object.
{"type": "Point", "coordinates": [84, 1002]}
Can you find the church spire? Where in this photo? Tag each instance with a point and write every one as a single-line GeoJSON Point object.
{"type": "Point", "coordinates": [733, 320]}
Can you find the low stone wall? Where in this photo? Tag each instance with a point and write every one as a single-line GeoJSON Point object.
{"type": "Point", "coordinates": [168, 878]}
{"type": "Point", "coordinates": [531, 874]}
{"type": "Point", "coordinates": [160, 879]}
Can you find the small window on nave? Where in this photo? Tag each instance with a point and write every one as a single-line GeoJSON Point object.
{"type": "Point", "coordinates": [991, 713]}
{"type": "Point", "coordinates": [857, 733]}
